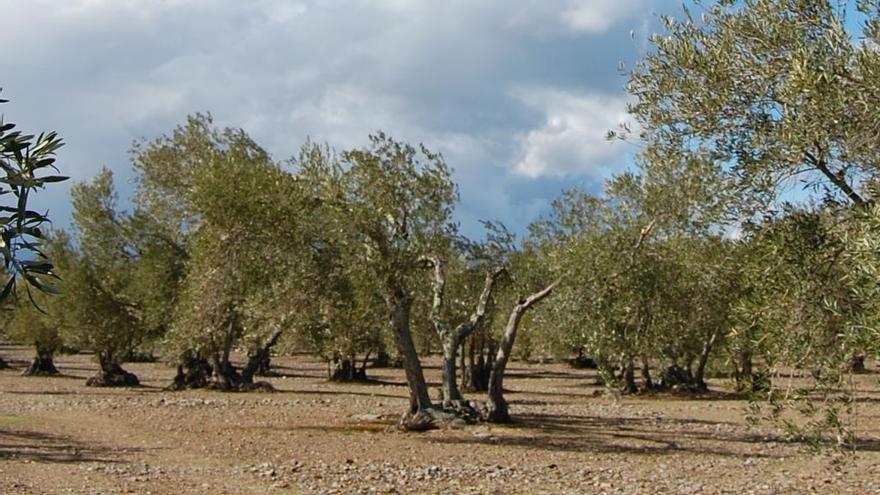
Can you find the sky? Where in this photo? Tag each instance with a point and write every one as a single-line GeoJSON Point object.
{"type": "Point", "coordinates": [517, 95]}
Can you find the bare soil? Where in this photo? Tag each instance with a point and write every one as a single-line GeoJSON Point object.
{"type": "Point", "coordinates": [314, 436]}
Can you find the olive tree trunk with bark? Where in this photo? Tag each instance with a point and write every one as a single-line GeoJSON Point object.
{"type": "Point", "coordinates": [497, 408]}
{"type": "Point", "coordinates": [43, 363]}
{"type": "Point", "coordinates": [111, 373]}
{"type": "Point", "coordinates": [451, 339]}
{"type": "Point", "coordinates": [399, 304]}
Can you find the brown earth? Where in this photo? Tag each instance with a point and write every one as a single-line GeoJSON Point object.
{"type": "Point", "coordinates": [58, 436]}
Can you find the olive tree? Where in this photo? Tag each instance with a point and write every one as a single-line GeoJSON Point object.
{"type": "Point", "coordinates": [238, 207]}
{"type": "Point", "coordinates": [398, 202]}
{"type": "Point", "coordinates": [104, 315]}
{"type": "Point", "coordinates": [775, 90]}
{"type": "Point", "coordinates": [39, 321]}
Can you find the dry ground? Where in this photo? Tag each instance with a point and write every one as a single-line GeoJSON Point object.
{"type": "Point", "coordinates": [58, 436]}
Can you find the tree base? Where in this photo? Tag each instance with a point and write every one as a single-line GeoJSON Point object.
{"type": "Point", "coordinates": [382, 360]}
{"type": "Point", "coordinates": [228, 379]}
{"type": "Point", "coordinates": [581, 362]}
{"type": "Point", "coordinates": [478, 378]}
{"type": "Point", "coordinates": [497, 412]}
{"type": "Point", "coordinates": [194, 373]}
{"type": "Point", "coordinates": [346, 370]}
{"type": "Point", "coordinates": [265, 368]}
{"type": "Point", "coordinates": [754, 384]}
{"type": "Point", "coordinates": [114, 377]}
{"type": "Point", "coordinates": [41, 366]}
{"type": "Point", "coordinates": [678, 379]}
{"type": "Point", "coordinates": [857, 364]}
{"type": "Point", "coordinates": [241, 387]}
{"type": "Point", "coordinates": [430, 419]}
{"type": "Point", "coordinates": [3, 364]}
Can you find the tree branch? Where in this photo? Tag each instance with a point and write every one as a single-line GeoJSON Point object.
{"type": "Point", "coordinates": [837, 179]}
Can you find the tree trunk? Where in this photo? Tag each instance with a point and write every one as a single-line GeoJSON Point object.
{"type": "Point", "coordinates": [42, 365]}
{"type": "Point", "coordinates": [676, 377]}
{"type": "Point", "coordinates": [399, 304]}
{"type": "Point", "coordinates": [259, 358]}
{"type": "Point", "coordinates": [481, 368]}
{"type": "Point", "coordinates": [449, 387]}
{"type": "Point", "coordinates": [646, 374]}
{"type": "Point", "coordinates": [3, 364]}
{"type": "Point", "coordinates": [463, 364]}
{"type": "Point", "coordinates": [346, 370]}
{"type": "Point", "coordinates": [629, 377]}
{"type": "Point", "coordinates": [111, 373]}
{"type": "Point", "coordinates": [193, 372]}
{"type": "Point", "coordinates": [747, 379]}
{"type": "Point", "coordinates": [497, 407]}
{"type": "Point", "coordinates": [856, 363]}
{"type": "Point", "coordinates": [383, 359]}
{"type": "Point", "coordinates": [451, 339]}
{"type": "Point", "coordinates": [700, 375]}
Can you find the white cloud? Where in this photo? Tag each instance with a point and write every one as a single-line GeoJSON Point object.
{"type": "Point", "coordinates": [574, 16]}
{"type": "Point", "coordinates": [104, 72]}
{"type": "Point", "coordinates": [572, 139]}
{"type": "Point", "coordinates": [597, 16]}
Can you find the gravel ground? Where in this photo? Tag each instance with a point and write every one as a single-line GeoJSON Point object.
{"type": "Point", "coordinates": [59, 436]}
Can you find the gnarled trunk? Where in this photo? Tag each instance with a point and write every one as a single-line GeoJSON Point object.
{"type": "Point", "coordinates": [346, 370]}
{"type": "Point", "coordinates": [480, 364]}
{"type": "Point", "coordinates": [43, 364]}
{"type": "Point", "coordinates": [193, 372]}
{"type": "Point", "coordinates": [382, 360]}
{"type": "Point", "coordinates": [451, 339]}
{"type": "Point", "coordinates": [702, 361]}
{"type": "Point", "coordinates": [111, 373]}
{"type": "Point", "coordinates": [629, 377]}
{"type": "Point", "coordinates": [399, 304]}
{"type": "Point", "coordinates": [747, 379]}
{"type": "Point", "coordinates": [856, 363]}
{"type": "Point", "coordinates": [258, 360]}
{"type": "Point", "coordinates": [647, 382]}
{"type": "Point", "coordinates": [497, 408]}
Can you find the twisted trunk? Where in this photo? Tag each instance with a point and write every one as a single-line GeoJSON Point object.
{"type": "Point", "coordinates": [629, 377]}
{"type": "Point", "coordinates": [497, 406]}
{"type": "Point", "coordinates": [193, 372]}
{"type": "Point", "coordinates": [259, 358]}
{"type": "Point", "coordinates": [648, 383]}
{"type": "Point", "coordinates": [451, 339]}
{"type": "Point", "coordinates": [399, 304]}
{"type": "Point", "coordinates": [43, 363]}
{"type": "Point", "coordinates": [700, 375]}
{"type": "Point", "coordinates": [111, 373]}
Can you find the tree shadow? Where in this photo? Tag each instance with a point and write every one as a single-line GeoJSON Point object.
{"type": "Point", "coordinates": [300, 391]}
{"type": "Point", "coordinates": [639, 436]}
{"type": "Point", "coordinates": [556, 375]}
{"type": "Point", "coordinates": [45, 447]}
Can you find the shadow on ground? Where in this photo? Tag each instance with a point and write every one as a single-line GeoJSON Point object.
{"type": "Point", "coordinates": [45, 447]}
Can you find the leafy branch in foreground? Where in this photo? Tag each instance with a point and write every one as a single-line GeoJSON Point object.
{"type": "Point", "coordinates": [23, 159]}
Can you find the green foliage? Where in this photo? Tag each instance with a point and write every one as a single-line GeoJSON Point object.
{"type": "Point", "coordinates": [24, 159]}
{"type": "Point", "coordinates": [101, 302]}
{"type": "Point", "coordinates": [41, 325]}
{"type": "Point", "coordinates": [774, 90]}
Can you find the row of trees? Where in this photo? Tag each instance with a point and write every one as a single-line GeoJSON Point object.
{"type": "Point", "coordinates": [702, 259]}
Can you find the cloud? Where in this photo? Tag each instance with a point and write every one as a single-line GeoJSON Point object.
{"type": "Point", "coordinates": [571, 140]}
{"type": "Point", "coordinates": [597, 16]}
{"type": "Point", "coordinates": [507, 90]}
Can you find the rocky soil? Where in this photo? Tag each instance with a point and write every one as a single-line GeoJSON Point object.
{"type": "Point", "coordinates": [59, 436]}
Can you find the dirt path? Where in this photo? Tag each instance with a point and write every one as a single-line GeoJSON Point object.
{"type": "Point", "coordinates": [58, 436]}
